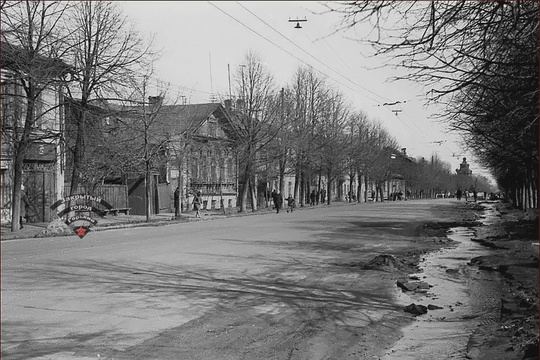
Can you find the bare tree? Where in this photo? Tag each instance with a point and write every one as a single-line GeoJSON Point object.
{"type": "Point", "coordinates": [149, 132]}
{"type": "Point", "coordinates": [333, 134]}
{"type": "Point", "coordinates": [105, 54]}
{"type": "Point", "coordinates": [310, 99]}
{"type": "Point", "coordinates": [256, 121]}
{"type": "Point", "coordinates": [480, 59]}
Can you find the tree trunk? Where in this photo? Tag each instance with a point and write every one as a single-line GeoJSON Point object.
{"type": "Point", "coordinates": [297, 195]}
{"type": "Point", "coordinates": [351, 182]}
{"type": "Point", "coordinates": [329, 189]}
{"type": "Point", "coordinates": [78, 152]}
{"type": "Point", "coordinates": [17, 185]}
{"type": "Point", "coordinates": [282, 167]}
{"type": "Point", "coordinates": [147, 192]}
{"type": "Point", "coordinates": [244, 196]}
{"type": "Point", "coordinates": [253, 192]}
{"type": "Point", "coordinates": [20, 154]}
{"type": "Point", "coordinates": [365, 189]}
{"type": "Point", "coordinates": [302, 190]}
{"type": "Point", "coordinates": [359, 190]}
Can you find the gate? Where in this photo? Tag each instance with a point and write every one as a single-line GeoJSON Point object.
{"type": "Point", "coordinates": [165, 198]}
{"type": "Point", "coordinates": [40, 190]}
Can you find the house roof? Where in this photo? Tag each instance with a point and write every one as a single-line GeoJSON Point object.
{"type": "Point", "coordinates": [173, 120]}
{"type": "Point", "coordinates": [188, 118]}
{"type": "Point", "coordinates": [18, 59]}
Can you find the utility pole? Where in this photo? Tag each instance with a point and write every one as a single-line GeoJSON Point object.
{"type": "Point", "coordinates": [229, 74]}
{"type": "Point", "coordinates": [282, 160]}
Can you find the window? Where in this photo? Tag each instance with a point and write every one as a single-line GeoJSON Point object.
{"type": "Point", "coordinates": [204, 167]}
{"type": "Point", "coordinates": [212, 126]}
{"type": "Point", "coordinates": [11, 103]}
{"type": "Point", "coordinates": [230, 169]}
{"type": "Point", "coordinates": [194, 168]}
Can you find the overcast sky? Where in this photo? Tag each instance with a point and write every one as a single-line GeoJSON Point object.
{"type": "Point", "coordinates": [201, 41]}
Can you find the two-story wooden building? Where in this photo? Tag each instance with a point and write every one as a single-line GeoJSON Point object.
{"type": "Point", "coordinates": [43, 166]}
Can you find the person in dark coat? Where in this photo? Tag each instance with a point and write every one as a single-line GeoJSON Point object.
{"type": "Point", "coordinates": [279, 203]}
{"type": "Point", "coordinates": [177, 202]}
{"type": "Point", "coordinates": [197, 202]}
{"type": "Point", "coordinates": [312, 197]}
{"type": "Point", "coordinates": [290, 203]}
{"type": "Point", "coordinates": [274, 197]}
{"type": "Point", "coordinates": [458, 194]}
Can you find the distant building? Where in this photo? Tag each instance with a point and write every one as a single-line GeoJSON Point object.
{"type": "Point", "coordinates": [464, 178]}
{"type": "Point", "coordinates": [464, 168]}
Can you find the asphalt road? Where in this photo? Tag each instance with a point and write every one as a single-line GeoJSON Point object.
{"type": "Point", "coordinates": [271, 286]}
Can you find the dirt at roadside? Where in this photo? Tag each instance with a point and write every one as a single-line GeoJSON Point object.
{"type": "Point", "coordinates": [514, 240]}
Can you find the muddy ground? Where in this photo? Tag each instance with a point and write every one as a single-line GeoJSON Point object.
{"type": "Point", "coordinates": [240, 330]}
{"type": "Point", "coordinates": [326, 286]}
{"type": "Point", "coordinates": [514, 240]}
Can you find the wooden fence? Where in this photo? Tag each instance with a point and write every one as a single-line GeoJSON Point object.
{"type": "Point", "coordinates": [116, 195]}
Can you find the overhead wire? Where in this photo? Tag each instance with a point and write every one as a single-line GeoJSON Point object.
{"type": "Point", "coordinates": [288, 52]}
{"type": "Point", "coordinates": [332, 51]}
{"type": "Point", "coordinates": [309, 54]}
{"type": "Point", "coordinates": [324, 64]}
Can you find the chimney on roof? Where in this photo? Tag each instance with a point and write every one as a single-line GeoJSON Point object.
{"type": "Point", "coordinates": [228, 104]}
{"type": "Point", "coordinates": [240, 104]}
{"type": "Point", "coordinates": [155, 101]}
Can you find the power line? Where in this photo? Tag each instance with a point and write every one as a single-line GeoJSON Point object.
{"type": "Point", "coordinates": [332, 50]}
{"type": "Point", "coordinates": [307, 53]}
{"type": "Point", "coordinates": [288, 52]}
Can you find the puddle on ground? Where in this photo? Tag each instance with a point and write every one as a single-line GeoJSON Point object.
{"type": "Point", "coordinates": [469, 298]}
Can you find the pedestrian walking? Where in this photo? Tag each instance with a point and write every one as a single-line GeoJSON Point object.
{"type": "Point", "coordinates": [458, 194]}
{"type": "Point", "coordinates": [197, 201]}
{"type": "Point", "coordinates": [475, 195]}
{"type": "Point", "coordinates": [25, 204]}
{"type": "Point", "coordinates": [274, 198]}
{"type": "Point", "coordinates": [312, 197]}
{"type": "Point", "coordinates": [290, 203]}
{"type": "Point", "coordinates": [278, 200]}
{"type": "Point", "coordinates": [177, 202]}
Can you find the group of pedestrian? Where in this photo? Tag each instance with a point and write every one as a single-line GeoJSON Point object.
{"type": "Point", "coordinates": [315, 196]}
{"type": "Point", "coordinates": [466, 194]}
{"type": "Point", "coordinates": [277, 198]}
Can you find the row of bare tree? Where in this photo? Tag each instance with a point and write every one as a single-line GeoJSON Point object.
{"type": "Point", "coordinates": [309, 131]}
{"type": "Point", "coordinates": [478, 58]}
{"type": "Point", "coordinates": [89, 49]}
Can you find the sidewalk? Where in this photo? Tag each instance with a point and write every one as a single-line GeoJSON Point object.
{"type": "Point", "coordinates": [32, 230]}
{"type": "Point", "coordinates": [108, 222]}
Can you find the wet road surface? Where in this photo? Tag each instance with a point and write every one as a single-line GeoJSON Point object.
{"type": "Point", "coordinates": [274, 286]}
